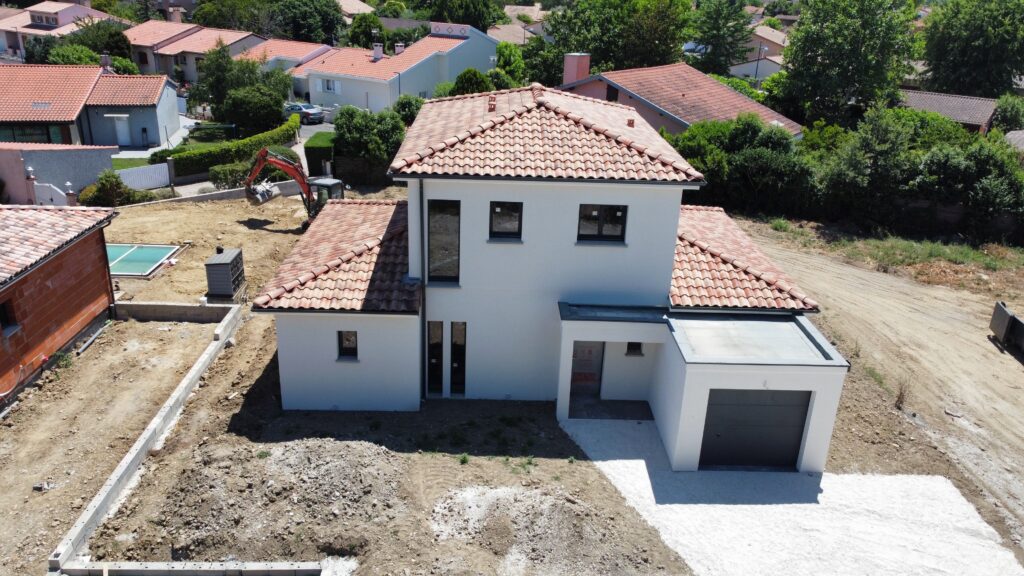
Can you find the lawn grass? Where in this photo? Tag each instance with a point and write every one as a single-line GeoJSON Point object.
{"type": "Point", "coordinates": [122, 163]}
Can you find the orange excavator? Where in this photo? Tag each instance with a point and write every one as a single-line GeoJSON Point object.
{"type": "Point", "coordinates": [315, 193]}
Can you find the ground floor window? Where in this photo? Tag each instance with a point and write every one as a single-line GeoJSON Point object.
{"type": "Point", "coordinates": [42, 133]}
{"type": "Point", "coordinates": [348, 344]}
{"type": "Point", "coordinates": [8, 323]}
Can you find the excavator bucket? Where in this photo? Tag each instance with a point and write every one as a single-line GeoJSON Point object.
{"type": "Point", "coordinates": [262, 193]}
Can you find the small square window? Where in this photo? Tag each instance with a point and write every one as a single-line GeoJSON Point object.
{"type": "Point", "coordinates": [506, 219]}
{"type": "Point", "coordinates": [634, 349]}
{"type": "Point", "coordinates": [602, 222]}
{"type": "Point", "coordinates": [348, 344]}
{"type": "Point", "coordinates": [8, 323]}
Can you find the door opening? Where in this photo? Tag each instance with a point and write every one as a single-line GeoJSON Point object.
{"type": "Point", "coordinates": [435, 358]}
{"type": "Point", "coordinates": [124, 132]}
{"type": "Point", "coordinates": [458, 358]}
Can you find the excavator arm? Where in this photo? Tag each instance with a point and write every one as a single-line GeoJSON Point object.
{"type": "Point", "coordinates": [262, 193]}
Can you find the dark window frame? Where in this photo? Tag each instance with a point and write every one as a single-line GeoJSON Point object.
{"type": "Point", "coordinates": [8, 320]}
{"type": "Point", "coordinates": [611, 93]}
{"type": "Point", "coordinates": [603, 211]}
{"type": "Point", "coordinates": [518, 234]}
{"type": "Point", "coordinates": [348, 352]}
{"type": "Point", "coordinates": [431, 277]}
{"type": "Point", "coordinates": [634, 348]}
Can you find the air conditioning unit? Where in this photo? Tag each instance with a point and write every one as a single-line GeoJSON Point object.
{"type": "Point", "coordinates": [225, 274]}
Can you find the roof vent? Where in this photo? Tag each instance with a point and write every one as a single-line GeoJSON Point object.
{"type": "Point", "coordinates": [41, 105]}
{"type": "Point", "coordinates": [399, 48]}
{"type": "Point", "coordinates": [492, 103]}
{"type": "Point", "coordinates": [630, 122]}
{"type": "Point", "coordinates": [378, 51]}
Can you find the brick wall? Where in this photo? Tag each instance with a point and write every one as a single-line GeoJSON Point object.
{"type": "Point", "coordinates": [52, 304]}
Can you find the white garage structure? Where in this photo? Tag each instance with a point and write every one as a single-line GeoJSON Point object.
{"type": "Point", "coordinates": [725, 389]}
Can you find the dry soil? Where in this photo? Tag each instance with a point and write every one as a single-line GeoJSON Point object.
{"type": "Point", "coordinates": [68, 433]}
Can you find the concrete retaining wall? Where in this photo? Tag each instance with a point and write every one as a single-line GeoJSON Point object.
{"type": "Point", "coordinates": [110, 493]}
{"type": "Point", "coordinates": [192, 568]}
{"type": "Point", "coordinates": [288, 188]}
{"type": "Point", "coordinates": [170, 312]}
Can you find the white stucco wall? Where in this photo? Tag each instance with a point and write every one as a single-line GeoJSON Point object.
{"type": "Point", "coordinates": [666, 399]}
{"type": "Point", "coordinates": [628, 377]}
{"type": "Point", "coordinates": [386, 375]}
{"type": "Point", "coordinates": [508, 292]}
{"type": "Point", "coordinates": [358, 92]}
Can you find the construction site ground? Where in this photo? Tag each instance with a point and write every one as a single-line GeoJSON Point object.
{"type": "Point", "coordinates": [65, 435]}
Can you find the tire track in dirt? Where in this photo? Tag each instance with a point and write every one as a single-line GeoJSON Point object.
{"type": "Point", "coordinates": [937, 340]}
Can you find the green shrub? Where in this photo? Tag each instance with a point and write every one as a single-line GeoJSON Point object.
{"type": "Point", "coordinates": [443, 89]}
{"type": "Point", "coordinates": [124, 66]}
{"type": "Point", "coordinates": [108, 190]}
{"type": "Point", "coordinates": [471, 81]}
{"type": "Point", "coordinates": [72, 54]}
{"type": "Point", "coordinates": [408, 107]}
{"type": "Point", "coordinates": [198, 161]}
{"type": "Point", "coordinates": [254, 109]}
{"type": "Point", "coordinates": [319, 148]}
{"type": "Point", "coordinates": [1009, 115]}
{"type": "Point", "coordinates": [232, 175]}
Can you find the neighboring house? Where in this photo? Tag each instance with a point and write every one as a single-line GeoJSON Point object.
{"type": "Point", "coordinates": [44, 173]}
{"type": "Point", "coordinates": [534, 13]}
{"type": "Point", "coordinates": [349, 8]}
{"type": "Point", "coordinates": [81, 105]}
{"type": "Point", "coordinates": [756, 13]}
{"type": "Point", "coordinates": [152, 35]}
{"type": "Point", "coordinates": [283, 54]}
{"type": "Point", "coordinates": [1016, 139]}
{"type": "Point", "coordinates": [515, 33]}
{"type": "Point", "coordinates": [543, 255]}
{"type": "Point", "coordinates": [758, 69]}
{"type": "Point", "coordinates": [765, 41]}
{"type": "Point", "coordinates": [972, 112]}
{"type": "Point", "coordinates": [44, 19]}
{"type": "Point", "coordinates": [54, 282]}
{"type": "Point", "coordinates": [373, 80]}
{"type": "Point", "coordinates": [670, 97]}
{"type": "Point", "coordinates": [403, 23]}
{"type": "Point", "coordinates": [184, 55]}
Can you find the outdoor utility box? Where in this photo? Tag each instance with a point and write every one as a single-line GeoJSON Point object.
{"type": "Point", "coordinates": [225, 274]}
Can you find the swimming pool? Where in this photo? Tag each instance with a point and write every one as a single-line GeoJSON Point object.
{"type": "Point", "coordinates": [137, 259]}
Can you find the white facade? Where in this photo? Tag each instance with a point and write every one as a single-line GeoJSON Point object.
{"type": "Point", "coordinates": [385, 375]}
{"type": "Point", "coordinates": [757, 69]}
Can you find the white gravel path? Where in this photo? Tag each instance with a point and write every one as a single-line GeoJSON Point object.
{"type": "Point", "coordinates": [754, 523]}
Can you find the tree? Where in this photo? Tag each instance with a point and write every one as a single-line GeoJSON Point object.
{"type": "Point", "coordinates": [254, 109]}
{"type": "Point", "coordinates": [124, 66]}
{"type": "Point", "coordinates": [318, 21]}
{"type": "Point", "coordinates": [361, 32]}
{"type": "Point", "coordinates": [37, 49]}
{"type": "Point", "coordinates": [479, 14]}
{"type": "Point", "coordinates": [500, 80]}
{"type": "Point", "coordinates": [1009, 115]}
{"type": "Point", "coordinates": [372, 137]}
{"type": "Point", "coordinates": [250, 15]}
{"type": "Point", "coordinates": [102, 37]}
{"type": "Point", "coordinates": [543, 62]}
{"type": "Point", "coordinates": [108, 191]}
{"type": "Point", "coordinates": [975, 47]}
{"type": "Point", "coordinates": [214, 69]}
{"type": "Point", "coordinates": [510, 59]}
{"type": "Point", "coordinates": [847, 51]}
{"type": "Point", "coordinates": [722, 28]}
{"type": "Point", "coordinates": [72, 54]}
{"type": "Point", "coordinates": [471, 81]}
{"type": "Point", "coordinates": [408, 107]}
{"type": "Point", "coordinates": [390, 9]}
{"type": "Point", "coordinates": [443, 89]}
{"type": "Point", "coordinates": [740, 85]}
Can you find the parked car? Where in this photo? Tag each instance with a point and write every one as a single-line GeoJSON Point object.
{"type": "Point", "coordinates": [308, 113]}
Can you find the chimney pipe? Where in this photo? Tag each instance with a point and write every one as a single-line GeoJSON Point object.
{"type": "Point", "coordinates": [174, 14]}
{"type": "Point", "coordinates": [399, 48]}
{"type": "Point", "coordinates": [105, 63]}
{"type": "Point", "coordinates": [576, 67]}
{"type": "Point", "coordinates": [378, 51]}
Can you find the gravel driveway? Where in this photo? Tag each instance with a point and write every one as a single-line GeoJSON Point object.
{"type": "Point", "coordinates": [753, 523]}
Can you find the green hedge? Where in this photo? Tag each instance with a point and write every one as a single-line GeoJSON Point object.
{"type": "Point", "coordinates": [232, 175]}
{"type": "Point", "coordinates": [199, 161]}
{"type": "Point", "coordinates": [319, 148]}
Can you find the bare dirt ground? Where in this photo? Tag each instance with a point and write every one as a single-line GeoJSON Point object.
{"type": "Point", "coordinates": [964, 417]}
{"type": "Point", "coordinates": [240, 479]}
{"type": "Point", "coordinates": [72, 430]}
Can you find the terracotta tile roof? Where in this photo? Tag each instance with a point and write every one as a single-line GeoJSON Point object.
{"type": "Point", "coordinates": [719, 266]}
{"type": "Point", "coordinates": [21, 22]}
{"type": "Point", "coordinates": [42, 93]}
{"type": "Point", "coordinates": [536, 132]}
{"type": "Point", "coordinates": [116, 90]}
{"type": "Point", "coordinates": [43, 146]}
{"type": "Point", "coordinates": [350, 7]}
{"type": "Point", "coordinates": [203, 41]}
{"type": "Point", "coordinates": [7, 12]}
{"type": "Point", "coordinates": [277, 48]}
{"type": "Point", "coordinates": [153, 32]}
{"type": "Point", "coordinates": [690, 95]}
{"type": "Point", "coordinates": [771, 35]}
{"type": "Point", "coordinates": [49, 7]}
{"type": "Point", "coordinates": [513, 33]}
{"type": "Point", "coordinates": [359, 62]}
{"type": "Point", "coordinates": [354, 256]}
{"type": "Point", "coordinates": [28, 234]}
{"type": "Point", "coordinates": [963, 109]}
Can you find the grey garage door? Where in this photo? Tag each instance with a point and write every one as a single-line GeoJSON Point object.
{"type": "Point", "coordinates": [754, 428]}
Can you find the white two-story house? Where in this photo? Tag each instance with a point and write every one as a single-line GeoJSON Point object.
{"type": "Point", "coordinates": [543, 254]}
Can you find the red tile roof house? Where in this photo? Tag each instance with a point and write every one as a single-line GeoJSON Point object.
{"type": "Point", "coordinates": [152, 35]}
{"type": "Point", "coordinates": [373, 80]}
{"type": "Point", "coordinates": [44, 173]}
{"type": "Point", "coordinates": [543, 255]}
{"type": "Point", "coordinates": [44, 19]}
{"type": "Point", "coordinates": [54, 282]}
{"type": "Point", "coordinates": [180, 58]}
{"type": "Point", "coordinates": [972, 112]}
{"type": "Point", "coordinates": [82, 105]}
{"type": "Point", "coordinates": [283, 54]}
{"type": "Point", "coordinates": [670, 97]}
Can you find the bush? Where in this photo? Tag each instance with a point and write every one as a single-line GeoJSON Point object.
{"type": "Point", "coordinates": [740, 85]}
{"type": "Point", "coordinates": [124, 66]}
{"type": "Point", "coordinates": [254, 109]}
{"type": "Point", "coordinates": [72, 54]}
{"type": "Point", "coordinates": [408, 107]}
{"type": "Point", "coordinates": [319, 148]}
{"type": "Point", "coordinates": [500, 80]}
{"type": "Point", "coordinates": [366, 143]}
{"type": "Point", "coordinates": [444, 89]}
{"type": "Point", "coordinates": [191, 162]}
{"type": "Point", "coordinates": [1009, 115]}
{"type": "Point", "coordinates": [471, 81]}
{"type": "Point", "coordinates": [108, 191]}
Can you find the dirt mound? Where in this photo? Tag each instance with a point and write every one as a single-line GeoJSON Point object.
{"type": "Point", "coordinates": [265, 503]}
{"type": "Point", "coordinates": [528, 528]}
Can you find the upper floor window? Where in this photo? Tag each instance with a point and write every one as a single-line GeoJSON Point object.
{"type": "Point", "coordinates": [611, 94]}
{"type": "Point", "coordinates": [143, 58]}
{"type": "Point", "coordinates": [328, 85]}
{"type": "Point", "coordinates": [443, 240]}
{"type": "Point", "coordinates": [506, 219]}
{"type": "Point", "coordinates": [348, 344]}
{"type": "Point", "coordinates": [602, 222]}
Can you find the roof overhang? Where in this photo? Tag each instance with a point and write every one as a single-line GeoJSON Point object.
{"type": "Point", "coordinates": [694, 185]}
{"type": "Point", "coordinates": [5, 284]}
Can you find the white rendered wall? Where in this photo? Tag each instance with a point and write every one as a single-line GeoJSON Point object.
{"type": "Point", "coordinates": [386, 375]}
{"type": "Point", "coordinates": [666, 399]}
{"type": "Point", "coordinates": [508, 292]}
{"type": "Point", "coordinates": [628, 377]}
{"type": "Point", "coordinates": [361, 93]}
{"type": "Point", "coordinates": [824, 382]}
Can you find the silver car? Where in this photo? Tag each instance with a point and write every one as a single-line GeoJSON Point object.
{"type": "Point", "coordinates": [308, 113]}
